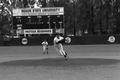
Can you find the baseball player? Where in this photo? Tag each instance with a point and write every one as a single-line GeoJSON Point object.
{"type": "Point", "coordinates": [45, 47]}
{"type": "Point", "coordinates": [58, 40]}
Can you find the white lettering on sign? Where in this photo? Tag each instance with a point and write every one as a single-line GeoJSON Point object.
{"type": "Point", "coordinates": [38, 31]}
{"type": "Point", "coordinates": [38, 11]}
{"type": "Point", "coordinates": [51, 10]}
{"type": "Point", "coordinates": [26, 11]}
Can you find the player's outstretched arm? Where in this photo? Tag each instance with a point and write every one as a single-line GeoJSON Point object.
{"type": "Point", "coordinates": [61, 41]}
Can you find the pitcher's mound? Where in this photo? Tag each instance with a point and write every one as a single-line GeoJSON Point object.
{"type": "Point", "coordinates": [61, 62]}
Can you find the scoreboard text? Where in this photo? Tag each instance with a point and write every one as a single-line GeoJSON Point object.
{"type": "Point", "coordinates": [39, 19]}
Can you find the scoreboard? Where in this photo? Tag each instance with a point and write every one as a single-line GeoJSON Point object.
{"type": "Point", "coordinates": [38, 20]}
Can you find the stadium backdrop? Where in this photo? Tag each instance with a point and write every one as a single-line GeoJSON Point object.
{"type": "Point", "coordinates": [32, 25]}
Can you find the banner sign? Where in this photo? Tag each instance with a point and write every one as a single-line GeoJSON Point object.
{"type": "Point", "coordinates": [38, 31]}
{"type": "Point", "coordinates": [38, 11]}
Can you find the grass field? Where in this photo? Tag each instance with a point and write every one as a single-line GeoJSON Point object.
{"type": "Point", "coordinates": [86, 62]}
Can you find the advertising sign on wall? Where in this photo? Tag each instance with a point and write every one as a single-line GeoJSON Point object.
{"type": "Point", "coordinates": [38, 11]}
{"type": "Point", "coordinates": [38, 31]}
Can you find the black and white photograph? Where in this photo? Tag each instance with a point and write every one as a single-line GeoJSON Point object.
{"type": "Point", "coordinates": [59, 39]}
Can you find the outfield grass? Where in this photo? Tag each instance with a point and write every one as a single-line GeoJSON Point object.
{"type": "Point", "coordinates": [90, 62]}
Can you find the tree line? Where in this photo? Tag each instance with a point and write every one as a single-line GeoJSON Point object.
{"type": "Point", "coordinates": [91, 17]}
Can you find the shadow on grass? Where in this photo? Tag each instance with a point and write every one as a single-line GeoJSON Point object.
{"type": "Point", "coordinates": [61, 62]}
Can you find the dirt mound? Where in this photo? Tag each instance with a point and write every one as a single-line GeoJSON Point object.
{"type": "Point", "coordinates": [61, 62]}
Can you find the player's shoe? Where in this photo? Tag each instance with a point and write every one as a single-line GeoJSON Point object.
{"type": "Point", "coordinates": [47, 51]}
{"type": "Point", "coordinates": [66, 56]}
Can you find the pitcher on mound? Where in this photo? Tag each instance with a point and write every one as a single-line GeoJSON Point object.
{"type": "Point", "coordinates": [58, 40]}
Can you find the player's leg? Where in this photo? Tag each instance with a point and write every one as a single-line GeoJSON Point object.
{"type": "Point", "coordinates": [44, 50]}
{"type": "Point", "coordinates": [65, 55]}
{"type": "Point", "coordinates": [63, 52]}
{"type": "Point", "coordinates": [57, 49]}
{"type": "Point", "coordinates": [47, 49]}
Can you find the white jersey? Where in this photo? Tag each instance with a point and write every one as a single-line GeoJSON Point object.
{"type": "Point", "coordinates": [56, 39]}
{"type": "Point", "coordinates": [58, 46]}
{"type": "Point", "coordinates": [44, 43]}
{"type": "Point", "coordinates": [45, 47]}
{"type": "Point", "coordinates": [36, 5]}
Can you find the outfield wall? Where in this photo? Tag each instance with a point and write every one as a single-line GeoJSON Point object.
{"type": "Point", "coordinates": [81, 40]}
